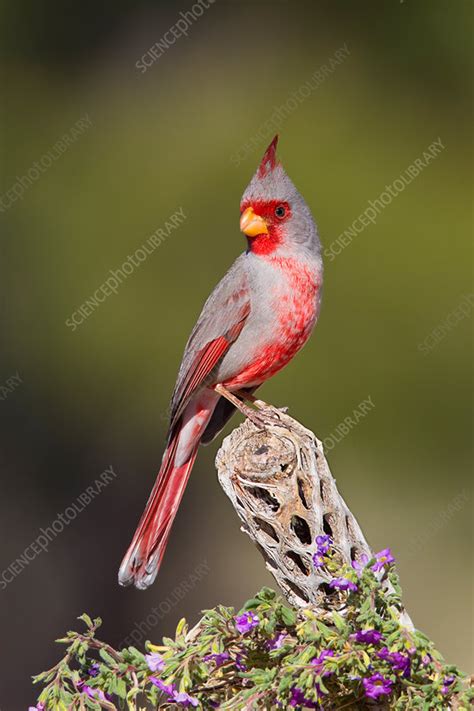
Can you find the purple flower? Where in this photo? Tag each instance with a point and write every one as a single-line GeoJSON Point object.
{"type": "Point", "coordinates": [324, 543]}
{"type": "Point", "coordinates": [90, 692]}
{"type": "Point", "coordinates": [367, 636]}
{"type": "Point", "coordinates": [377, 685]}
{"type": "Point", "coordinates": [179, 697]}
{"type": "Point", "coordinates": [318, 662]}
{"type": "Point", "coordinates": [94, 669]}
{"type": "Point", "coordinates": [219, 659]}
{"type": "Point", "coordinates": [241, 666]}
{"type": "Point", "coordinates": [342, 584]}
{"type": "Point", "coordinates": [400, 662]}
{"type": "Point", "coordinates": [382, 558]}
{"type": "Point", "coordinates": [155, 662]}
{"type": "Point", "coordinates": [168, 689]}
{"type": "Point", "coordinates": [427, 659]}
{"type": "Point", "coordinates": [318, 560]}
{"type": "Point", "coordinates": [447, 681]}
{"type": "Point", "coordinates": [39, 707]}
{"type": "Point", "coordinates": [277, 641]}
{"type": "Point", "coordinates": [246, 622]}
{"type": "Point", "coordinates": [185, 699]}
{"type": "Point", "coordinates": [298, 698]}
{"type": "Point", "coordinates": [360, 564]}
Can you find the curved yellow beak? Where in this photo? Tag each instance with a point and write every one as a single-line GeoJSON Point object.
{"type": "Point", "coordinates": [252, 224]}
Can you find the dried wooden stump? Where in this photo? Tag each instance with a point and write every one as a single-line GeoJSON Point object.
{"type": "Point", "coordinates": [280, 485]}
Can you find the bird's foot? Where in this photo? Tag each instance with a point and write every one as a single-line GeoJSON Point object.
{"type": "Point", "coordinates": [262, 417]}
{"type": "Point", "coordinates": [256, 418]}
{"type": "Point", "coordinates": [269, 413]}
{"type": "Point", "coordinates": [263, 414]}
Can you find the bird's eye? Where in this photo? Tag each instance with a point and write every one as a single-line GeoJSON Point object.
{"type": "Point", "coordinates": [280, 211]}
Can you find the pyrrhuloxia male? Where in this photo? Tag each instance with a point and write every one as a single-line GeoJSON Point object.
{"type": "Point", "coordinates": [256, 319]}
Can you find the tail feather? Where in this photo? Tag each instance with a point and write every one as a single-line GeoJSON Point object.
{"type": "Point", "coordinates": [143, 558]}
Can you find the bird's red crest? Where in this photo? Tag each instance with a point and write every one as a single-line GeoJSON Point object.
{"type": "Point", "coordinates": [269, 159]}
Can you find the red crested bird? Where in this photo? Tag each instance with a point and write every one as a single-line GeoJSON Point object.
{"type": "Point", "coordinates": [257, 318]}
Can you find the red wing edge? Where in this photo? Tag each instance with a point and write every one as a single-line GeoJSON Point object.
{"type": "Point", "coordinates": [204, 363]}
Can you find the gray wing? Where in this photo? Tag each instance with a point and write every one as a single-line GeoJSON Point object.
{"type": "Point", "coordinates": [222, 318]}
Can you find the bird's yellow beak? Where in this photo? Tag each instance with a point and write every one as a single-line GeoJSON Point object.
{"type": "Point", "coordinates": [252, 224]}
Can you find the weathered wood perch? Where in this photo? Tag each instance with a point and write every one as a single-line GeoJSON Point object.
{"type": "Point", "coordinates": [280, 485]}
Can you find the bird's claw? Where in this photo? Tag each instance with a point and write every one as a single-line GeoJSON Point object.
{"type": "Point", "coordinates": [262, 405]}
{"type": "Point", "coordinates": [261, 414]}
{"type": "Point", "coordinates": [268, 414]}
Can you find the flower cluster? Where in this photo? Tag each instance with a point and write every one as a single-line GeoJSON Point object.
{"type": "Point", "coordinates": [382, 560]}
{"type": "Point", "coordinates": [268, 655]}
{"type": "Point", "coordinates": [323, 558]}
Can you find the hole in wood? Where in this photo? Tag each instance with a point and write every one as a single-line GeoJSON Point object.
{"type": "Point", "coordinates": [354, 553]}
{"type": "Point", "coordinates": [301, 529]}
{"type": "Point", "coordinates": [298, 591]}
{"type": "Point", "coordinates": [264, 496]}
{"type": "Point", "coordinates": [327, 526]}
{"type": "Point", "coordinates": [324, 588]}
{"type": "Point", "coordinates": [299, 562]}
{"type": "Point", "coordinates": [301, 493]}
{"type": "Point", "coordinates": [266, 528]}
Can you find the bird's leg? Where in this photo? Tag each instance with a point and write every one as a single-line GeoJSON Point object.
{"type": "Point", "coordinates": [249, 412]}
{"type": "Point", "coordinates": [259, 419]}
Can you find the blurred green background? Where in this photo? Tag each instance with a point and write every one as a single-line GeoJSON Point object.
{"type": "Point", "coordinates": [164, 139]}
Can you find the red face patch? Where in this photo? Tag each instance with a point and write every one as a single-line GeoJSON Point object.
{"type": "Point", "coordinates": [275, 213]}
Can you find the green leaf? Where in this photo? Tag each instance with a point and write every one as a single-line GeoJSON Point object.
{"type": "Point", "coordinates": [326, 631]}
{"type": "Point", "coordinates": [107, 658]}
{"type": "Point", "coordinates": [121, 689]}
{"type": "Point", "coordinates": [85, 618]}
{"type": "Point", "coordinates": [339, 621]}
{"type": "Point", "coordinates": [267, 594]}
{"type": "Point", "coordinates": [288, 615]}
{"type": "Point", "coordinates": [251, 604]}
{"type": "Point", "coordinates": [181, 627]}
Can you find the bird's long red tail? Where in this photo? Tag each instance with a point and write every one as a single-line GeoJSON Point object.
{"type": "Point", "coordinates": [143, 558]}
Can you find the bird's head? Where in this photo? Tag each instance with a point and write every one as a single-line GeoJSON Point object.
{"type": "Point", "coordinates": [274, 216]}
